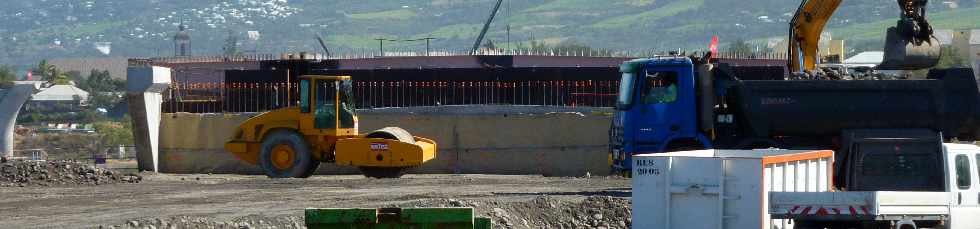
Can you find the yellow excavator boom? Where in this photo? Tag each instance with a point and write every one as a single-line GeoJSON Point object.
{"type": "Point", "coordinates": [909, 45]}
{"type": "Point", "coordinates": [805, 30]}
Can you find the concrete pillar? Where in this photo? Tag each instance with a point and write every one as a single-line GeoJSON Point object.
{"type": "Point", "coordinates": [144, 89]}
{"type": "Point", "coordinates": [10, 103]}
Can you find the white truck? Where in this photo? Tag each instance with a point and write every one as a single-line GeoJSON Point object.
{"type": "Point", "coordinates": [893, 183]}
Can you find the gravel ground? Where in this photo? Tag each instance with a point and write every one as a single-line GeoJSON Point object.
{"type": "Point", "coordinates": [545, 211]}
{"type": "Point", "coordinates": [233, 201]}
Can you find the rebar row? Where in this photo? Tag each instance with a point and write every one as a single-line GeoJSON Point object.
{"type": "Point", "coordinates": [589, 93]}
{"type": "Point", "coordinates": [259, 97]}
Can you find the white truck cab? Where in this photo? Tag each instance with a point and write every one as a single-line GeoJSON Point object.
{"type": "Point", "coordinates": [963, 164]}
{"type": "Point", "coordinates": [956, 207]}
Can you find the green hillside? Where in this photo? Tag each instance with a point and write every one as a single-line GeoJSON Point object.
{"type": "Point", "coordinates": [872, 31]}
{"type": "Point", "coordinates": [34, 30]}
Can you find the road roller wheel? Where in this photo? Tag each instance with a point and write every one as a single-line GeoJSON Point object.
{"type": "Point", "coordinates": [285, 154]}
{"type": "Point", "coordinates": [391, 133]}
{"type": "Point", "coordinates": [383, 172]}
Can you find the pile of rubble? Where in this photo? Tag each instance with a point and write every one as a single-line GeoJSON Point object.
{"type": "Point", "coordinates": [194, 222]}
{"type": "Point", "coordinates": [545, 212]}
{"type": "Point", "coordinates": [51, 173]}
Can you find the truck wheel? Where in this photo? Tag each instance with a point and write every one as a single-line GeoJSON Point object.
{"type": "Point", "coordinates": [802, 224]}
{"type": "Point", "coordinates": [285, 154]}
{"type": "Point", "coordinates": [382, 172]}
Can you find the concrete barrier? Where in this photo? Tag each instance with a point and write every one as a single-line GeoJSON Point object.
{"type": "Point", "coordinates": [533, 140]}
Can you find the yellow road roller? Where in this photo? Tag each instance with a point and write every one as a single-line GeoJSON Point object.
{"type": "Point", "coordinates": [292, 142]}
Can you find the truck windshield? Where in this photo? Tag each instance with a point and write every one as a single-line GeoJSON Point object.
{"type": "Point", "coordinates": [899, 167]}
{"type": "Point", "coordinates": [625, 100]}
{"type": "Point", "coordinates": [659, 87]}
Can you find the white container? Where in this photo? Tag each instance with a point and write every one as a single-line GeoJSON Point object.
{"type": "Point", "coordinates": [722, 189]}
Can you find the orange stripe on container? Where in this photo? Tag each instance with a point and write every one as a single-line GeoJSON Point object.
{"type": "Point", "coordinates": [811, 155]}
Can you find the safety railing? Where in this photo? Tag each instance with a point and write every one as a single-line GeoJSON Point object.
{"type": "Point", "coordinates": [368, 54]}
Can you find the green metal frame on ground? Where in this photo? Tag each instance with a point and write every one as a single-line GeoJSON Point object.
{"type": "Point", "coordinates": [395, 218]}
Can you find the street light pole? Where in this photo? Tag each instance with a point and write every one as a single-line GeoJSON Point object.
{"type": "Point", "coordinates": [427, 41]}
{"type": "Point", "coordinates": [381, 45]}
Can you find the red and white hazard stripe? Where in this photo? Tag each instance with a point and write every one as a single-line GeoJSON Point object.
{"type": "Point", "coordinates": [832, 210]}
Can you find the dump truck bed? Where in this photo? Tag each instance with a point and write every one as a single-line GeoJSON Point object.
{"type": "Point", "coordinates": [859, 205]}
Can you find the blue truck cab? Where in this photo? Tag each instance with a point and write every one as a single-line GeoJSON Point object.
{"type": "Point", "coordinates": [656, 110]}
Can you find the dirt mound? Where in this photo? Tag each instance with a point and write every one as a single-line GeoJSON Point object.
{"type": "Point", "coordinates": [545, 212]}
{"type": "Point", "coordinates": [52, 173]}
{"type": "Point", "coordinates": [195, 222]}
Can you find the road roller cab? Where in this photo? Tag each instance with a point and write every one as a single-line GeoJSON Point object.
{"type": "Point", "coordinates": [291, 142]}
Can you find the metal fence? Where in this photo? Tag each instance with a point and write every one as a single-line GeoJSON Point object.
{"type": "Point", "coordinates": [258, 97]}
{"type": "Point", "coordinates": [752, 55]}
{"type": "Point", "coordinates": [231, 97]}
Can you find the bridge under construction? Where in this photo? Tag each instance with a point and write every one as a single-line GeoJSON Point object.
{"type": "Point", "coordinates": [259, 83]}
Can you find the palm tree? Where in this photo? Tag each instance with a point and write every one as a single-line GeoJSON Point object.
{"type": "Point", "coordinates": [58, 77]}
{"type": "Point", "coordinates": [47, 71]}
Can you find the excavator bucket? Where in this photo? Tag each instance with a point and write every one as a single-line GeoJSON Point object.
{"type": "Point", "coordinates": [902, 54]}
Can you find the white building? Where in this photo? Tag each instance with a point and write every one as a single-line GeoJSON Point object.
{"type": "Point", "coordinates": [865, 59]}
{"type": "Point", "coordinates": [58, 98]}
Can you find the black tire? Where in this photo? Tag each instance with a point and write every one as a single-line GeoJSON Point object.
{"type": "Point", "coordinates": [803, 224]}
{"type": "Point", "coordinates": [684, 145]}
{"type": "Point", "coordinates": [312, 170]}
{"type": "Point", "coordinates": [302, 159]}
{"type": "Point", "coordinates": [383, 172]}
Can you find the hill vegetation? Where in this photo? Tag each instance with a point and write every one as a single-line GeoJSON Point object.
{"type": "Point", "coordinates": [47, 29]}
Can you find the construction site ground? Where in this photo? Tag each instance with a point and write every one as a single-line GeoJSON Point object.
{"type": "Point", "coordinates": [235, 201]}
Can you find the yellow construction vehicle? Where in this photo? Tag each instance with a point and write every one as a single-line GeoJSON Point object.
{"type": "Point", "coordinates": [291, 142]}
{"type": "Point", "coordinates": [909, 45]}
